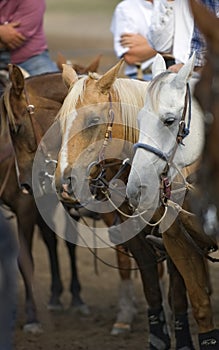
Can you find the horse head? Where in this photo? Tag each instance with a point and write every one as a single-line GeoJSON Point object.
{"type": "Point", "coordinates": [80, 69]}
{"type": "Point", "coordinates": [30, 106]}
{"type": "Point", "coordinates": [171, 134]}
{"type": "Point", "coordinates": [93, 129]}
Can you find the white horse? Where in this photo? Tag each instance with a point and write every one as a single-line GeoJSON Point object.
{"type": "Point", "coordinates": [171, 132]}
{"type": "Point", "coordinates": [171, 137]}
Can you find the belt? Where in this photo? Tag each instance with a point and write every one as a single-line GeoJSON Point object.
{"type": "Point", "coordinates": [169, 59]}
{"type": "Point", "coordinates": [142, 72]}
{"type": "Point", "coordinates": [147, 70]}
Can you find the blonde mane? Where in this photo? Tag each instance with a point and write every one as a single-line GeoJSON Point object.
{"type": "Point", "coordinates": [131, 95]}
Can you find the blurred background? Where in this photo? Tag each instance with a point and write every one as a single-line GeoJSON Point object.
{"type": "Point", "coordinates": [80, 30]}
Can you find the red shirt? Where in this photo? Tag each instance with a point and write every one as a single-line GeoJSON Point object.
{"type": "Point", "coordinates": [30, 15]}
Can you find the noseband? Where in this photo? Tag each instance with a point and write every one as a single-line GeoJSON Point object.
{"type": "Point", "coordinates": [183, 131]}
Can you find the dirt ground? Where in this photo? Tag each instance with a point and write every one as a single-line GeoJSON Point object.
{"type": "Point", "coordinates": [68, 330]}
{"type": "Point", "coordinates": [82, 38]}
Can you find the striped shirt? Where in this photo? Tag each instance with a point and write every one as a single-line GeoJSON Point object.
{"type": "Point", "coordinates": [198, 43]}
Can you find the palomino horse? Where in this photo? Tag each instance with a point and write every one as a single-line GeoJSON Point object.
{"type": "Point", "coordinates": [98, 123]}
{"type": "Point", "coordinates": [206, 92]}
{"type": "Point", "coordinates": [28, 109]}
{"type": "Point", "coordinates": [171, 137]}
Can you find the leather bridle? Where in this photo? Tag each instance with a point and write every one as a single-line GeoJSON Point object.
{"type": "Point", "coordinates": [100, 182]}
{"type": "Point", "coordinates": [10, 120]}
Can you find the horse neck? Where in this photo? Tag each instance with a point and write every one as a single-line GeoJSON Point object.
{"type": "Point", "coordinates": [48, 86]}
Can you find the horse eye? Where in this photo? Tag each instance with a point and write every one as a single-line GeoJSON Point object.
{"type": "Point", "coordinates": [94, 121]}
{"type": "Point", "coordinates": [15, 129]}
{"type": "Point", "coordinates": [169, 121]}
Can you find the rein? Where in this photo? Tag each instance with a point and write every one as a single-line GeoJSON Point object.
{"type": "Point", "coordinates": [94, 253]}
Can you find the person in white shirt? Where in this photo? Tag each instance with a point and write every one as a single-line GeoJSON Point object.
{"type": "Point", "coordinates": [130, 26]}
{"type": "Point", "coordinates": [171, 29]}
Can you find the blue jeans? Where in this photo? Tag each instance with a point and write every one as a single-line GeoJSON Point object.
{"type": "Point", "coordinates": [39, 64]}
{"type": "Point", "coordinates": [146, 77]}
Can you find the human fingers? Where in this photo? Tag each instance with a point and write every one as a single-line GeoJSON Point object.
{"type": "Point", "coordinates": [175, 67]}
{"type": "Point", "coordinates": [15, 24]}
{"type": "Point", "coordinates": [126, 40]}
{"type": "Point", "coordinates": [16, 42]}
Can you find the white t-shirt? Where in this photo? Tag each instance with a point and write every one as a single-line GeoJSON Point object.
{"type": "Point", "coordinates": [172, 28]}
{"type": "Point", "coordinates": [131, 16]}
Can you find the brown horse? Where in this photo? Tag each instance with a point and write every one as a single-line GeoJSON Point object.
{"type": "Point", "coordinates": [12, 194]}
{"type": "Point", "coordinates": [207, 92]}
{"type": "Point", "coordinates": [80, 69]}
{"type": "Point", "coordinates": [98, 121]}
{"type": "Point", "coordinates": [21, 131]}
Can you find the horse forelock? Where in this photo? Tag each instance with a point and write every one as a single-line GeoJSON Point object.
{"type": "Point", "coordinates": [129, 93]}
{"type": "Point", "coordinates": [70, 102]}
{"type": "Point", "coordinates": [155, 87]}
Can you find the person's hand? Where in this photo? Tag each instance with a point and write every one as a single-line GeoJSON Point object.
{"type": "Point", "coordinates": [10, 37]}
{"type": "Point", "coordinates": [175, 67]}
{"type": "Point", "coordinates": [131, 40]}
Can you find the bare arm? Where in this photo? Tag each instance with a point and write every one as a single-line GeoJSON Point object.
{"type": "Point", "coordinates": [139, 48]}
{"type": "Point", "coordinates": [10, 37]}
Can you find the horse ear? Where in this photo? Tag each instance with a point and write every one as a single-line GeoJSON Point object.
{"type": "Point", "coordinates": [106, 80]}
{"type": "Point", "coordinates": [60, 60]}
{"type": "Point", "coordinates": [93, 67]}
{"type": "Point", "coordinates": [17, 78]}
{"type": "Point", "coordinates": [158, 66]}
{"type": "Point", "coordinates": [69, 75]}
{"type": "Point", "coordinates": [184, 73]}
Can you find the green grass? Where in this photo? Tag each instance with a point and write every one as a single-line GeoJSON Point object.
{"type": "Point", "coordinates": [80, 6]}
